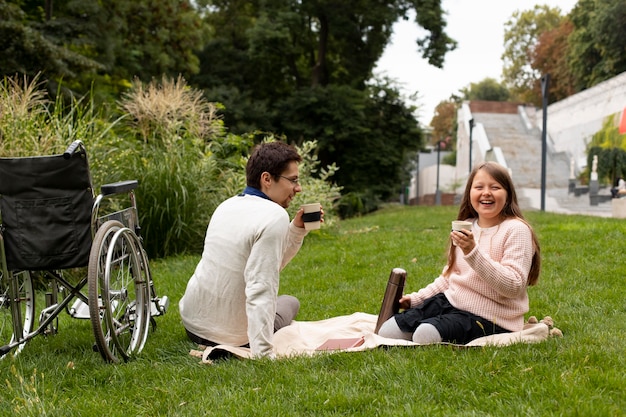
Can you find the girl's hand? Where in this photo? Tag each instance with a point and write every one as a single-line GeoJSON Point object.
{"type": "Point", "coordinates": [405, 302]}
{"type": "Point", "coordinates": [464, 239]}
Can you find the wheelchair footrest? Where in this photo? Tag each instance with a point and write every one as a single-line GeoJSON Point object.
{"type": "Point", "coordinates": [79, 310]}
{"type": "Point", "coordinates": [159, 306]}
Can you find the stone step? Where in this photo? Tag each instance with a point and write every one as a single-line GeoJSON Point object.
{"type": "Point", "coordinates": [522, 149]}
{"type": "Point", "coordinates": [560, 200]}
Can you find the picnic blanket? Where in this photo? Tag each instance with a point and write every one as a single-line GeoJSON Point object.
{"type": "Point", "coordinates": [304, 337]}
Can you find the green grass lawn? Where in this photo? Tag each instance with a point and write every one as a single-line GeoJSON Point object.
{"type": "Point", "coordinates": [342, 270]}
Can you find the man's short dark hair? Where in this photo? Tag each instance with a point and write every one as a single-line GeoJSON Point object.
{"type": "Point", "coordinates": [272, 157]}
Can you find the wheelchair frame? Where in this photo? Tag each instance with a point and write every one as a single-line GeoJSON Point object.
{"type": "Point", "coordinates": [121, 300]}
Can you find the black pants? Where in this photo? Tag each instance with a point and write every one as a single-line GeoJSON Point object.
{"type": "Point", "coordinates": [454, 325]}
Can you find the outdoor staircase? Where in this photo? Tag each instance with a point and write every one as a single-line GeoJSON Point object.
{"type": "Point", "coordinates": [522, 150]}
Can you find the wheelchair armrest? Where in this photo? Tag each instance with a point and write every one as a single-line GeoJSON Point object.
{"type": "Point", "coordinates": [119, 187]}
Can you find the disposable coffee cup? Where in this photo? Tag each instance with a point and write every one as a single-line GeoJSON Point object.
{"type": "Point", "coordinates": [312, 216]}
{"type": "Point", "coordinates": [461, 225]}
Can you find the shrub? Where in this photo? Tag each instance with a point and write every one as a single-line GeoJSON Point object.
{"type": "Point", "coordinates": [356, 204]}
{"type": "Point", "coordinates": [316, 183]}
{"type": "Point", "coordinates": [169, 138]}
{"type": "Point", "coordinates": [610, 147]}
{"type": "Point", "coordinates": [187, 164]}
{"type": "Point", "coordinates": [31, 124]}
{"type": "Point", "coordinates": [171, 129]}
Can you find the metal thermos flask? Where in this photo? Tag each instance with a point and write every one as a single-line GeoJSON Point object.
{"type": "Point", "coordinates": [391, 300]}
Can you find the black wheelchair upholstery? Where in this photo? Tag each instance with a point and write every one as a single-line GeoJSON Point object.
{"type": "Point", "coordinates": [46, 208]}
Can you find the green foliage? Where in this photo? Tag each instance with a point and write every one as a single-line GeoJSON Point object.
{"type": "Point", "coordinates": [339, 271]}
{"type": "Point", "coordinates": [579, 50]}
{"type": "Point", "coordinates": [355, 204]}
{"type": "Point", "coordinates": [316, 181]}
{"type": "Point", "coordinates": [488, 89]}
{"type": "Point", "coordinates": [173, 191]}
{"type": "Point", "coordinates": [306, 44]}
{"type": "Point", "coordinates": [188, 164]}
{"type": "Point", "coordinates": [89, 44]}
{"type": "Point", "coordinates": [170, 131]}
{"type": "Point", "coordinates": [597, 43]}
{"type": "Point", "coordinates": [258, 58]}
{"type": "Point", "coordinates": [148, 39]}
{"type": "Point", "coordinates": [31, 124]}
{"type": "Point", "coordinates": [610, 147]}
{"type": "Point", "coordinates": [521, 33]}
{"type": "Point", "coordinates": [450, 159]}
{"type": "Point", "coordinates": [31, 45]}
{"type": "Point", "coordinates": [304, 71]}
{"type": "Point", "coordinates": [169, 138]}
{"type": "Point", "coordinates": [368, 134]}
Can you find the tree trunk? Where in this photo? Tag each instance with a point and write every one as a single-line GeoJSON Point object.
{"type": "Point", "coordinates": [48, 9]}
{"type": "Point", "coordinates": [319, 71]}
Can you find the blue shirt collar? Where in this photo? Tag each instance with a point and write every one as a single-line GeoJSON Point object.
{"type": "Point", "coordinates": [255, 191]}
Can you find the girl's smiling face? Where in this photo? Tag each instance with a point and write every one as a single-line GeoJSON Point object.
{"type": "Point", "coordinates": [488, 198]}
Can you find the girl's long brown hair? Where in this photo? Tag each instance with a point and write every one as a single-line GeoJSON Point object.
{"type": "Point", "coordinates": [511, 209]}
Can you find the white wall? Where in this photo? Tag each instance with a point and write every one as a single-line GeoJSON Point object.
{"type": "Point", "coordinates": [573, 121]}
{"type": "Point", "coordinates": [481, 148]}
{"type": "Point", "coordinates": [428, 179]}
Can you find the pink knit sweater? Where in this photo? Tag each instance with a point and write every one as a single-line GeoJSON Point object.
{"type": "Point", "coordinates": [491, 280]}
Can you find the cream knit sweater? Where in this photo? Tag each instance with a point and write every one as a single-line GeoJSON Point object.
{"type": "Point", "coordinates": [231, 297]}
{"type": "Point", "coordinates": [491, 280]}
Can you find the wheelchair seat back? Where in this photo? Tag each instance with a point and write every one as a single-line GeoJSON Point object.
{"type": "Point", "coordinates": [45, 211]}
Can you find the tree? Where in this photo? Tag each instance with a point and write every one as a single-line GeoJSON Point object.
{"type": "Point", "coordinates": [444, 122]}
{"type": "Point", "coordinates": [263, 60]}
{"type": "Point", "coordinates": [303, 69]}
{"type": "Point", "coordinates": [152, 39]}
{"type": "Point", "coordinates": [318, 42]}
{"type": "Point", "coordinates": [488, 89]}
{"type": "Point", "coordinates": [29, 49]}
{"type": "Point", "coordinates": [84, 41]}
{"type": "Point", "coordinates": [520, 38]}
{"type": "Point", "coordinates": [578, 51]}
{"type": "Point", "coordinates": [368, 134]}
{"type": "Point", "coordinates": [550, 57]}
{"type": "Point", "coordinates": [444, 128]}
{"type": "Point", "coordinates": [597, 49]}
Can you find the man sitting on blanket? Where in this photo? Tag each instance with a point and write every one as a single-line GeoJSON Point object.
{"type": "Point", "coordinates": [232, 297]}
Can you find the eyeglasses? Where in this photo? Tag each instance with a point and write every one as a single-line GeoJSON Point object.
{"type": "Point", "coordinates": [293, 182]}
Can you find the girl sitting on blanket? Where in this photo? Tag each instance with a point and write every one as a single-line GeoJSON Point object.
{"type": "Point", "coordinates": [482, 289]}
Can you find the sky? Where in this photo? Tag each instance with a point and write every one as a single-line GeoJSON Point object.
{"type": "Point", "coordinates": [478, 28]}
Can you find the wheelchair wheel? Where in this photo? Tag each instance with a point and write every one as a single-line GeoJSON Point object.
{"type": "Point", "coordinates": [17, 312]}
{"type": "Point", "coordinates": [118, 292]}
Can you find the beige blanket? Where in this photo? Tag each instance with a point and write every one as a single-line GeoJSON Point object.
{"type": "Point", "coordinates": [303, 337]}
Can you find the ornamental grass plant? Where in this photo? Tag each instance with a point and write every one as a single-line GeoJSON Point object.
{"type": "Point", "coordinates": [164, 134]}
{"type": "Point", "coordinates": [343, 269]}
{"type": "Point", "coordinates": [32, 123]}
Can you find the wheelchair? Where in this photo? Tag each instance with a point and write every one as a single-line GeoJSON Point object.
{"type": "Point", "coordinates": [59, 250]}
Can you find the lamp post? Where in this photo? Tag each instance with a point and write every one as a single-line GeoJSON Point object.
{"type": "Point", "coordinates": [545, 83]}
{"type": "Point", "coordinates": [437, 192]}
{"type": "Point", "coordinates": [471, 125]}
